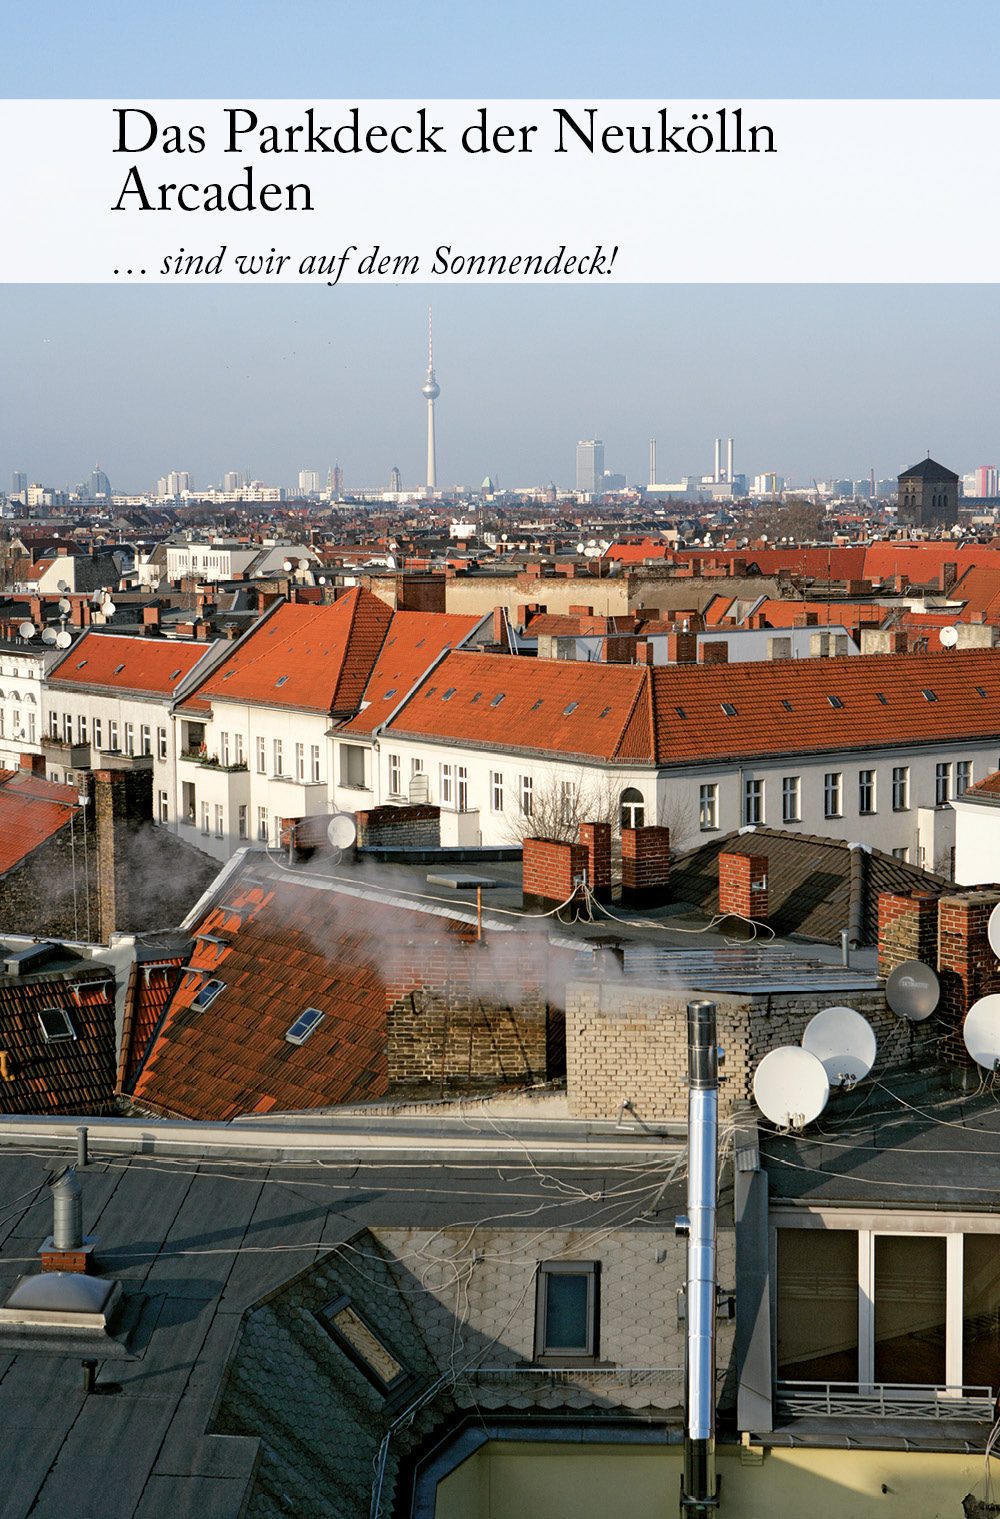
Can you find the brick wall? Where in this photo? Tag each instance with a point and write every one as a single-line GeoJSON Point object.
{"type": "Point", "coordinates": [550, 871]}
{"type": "Point", "coordinates": [967, 967]}
{"type": "Point", "coordinates": [414, 827]}
{"type": "Point", "coordinates": [743, 885]}
{"type": "Point", "coordinates": [907, 929]}
{"type": "Point", "coordinates": [645, 866]}
{"type": "Point", "coordinates": [596, 839]}
{"type": "Point", "coordinates": [630, 1041]}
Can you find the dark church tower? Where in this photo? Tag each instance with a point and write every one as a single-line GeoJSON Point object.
{"type": "Point", "coordinates": [928, 495]}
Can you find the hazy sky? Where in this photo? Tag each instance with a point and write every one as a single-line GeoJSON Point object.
{"type": "Point", "coordinates": [809, 380]}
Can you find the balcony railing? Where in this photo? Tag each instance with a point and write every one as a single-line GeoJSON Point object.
{"type": "Point", "coordinates": [210, 761]}
{"type": "Point", "coordinates": [882, 1400]}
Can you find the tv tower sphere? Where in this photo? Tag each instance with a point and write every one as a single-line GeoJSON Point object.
{"type": "Point", "coordinates": [431, 387]}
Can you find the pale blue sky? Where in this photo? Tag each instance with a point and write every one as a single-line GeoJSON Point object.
{"type": "Point", "coordinates": [809, 380]}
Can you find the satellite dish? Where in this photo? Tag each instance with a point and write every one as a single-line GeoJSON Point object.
{"type": "Point", "coordinates": [949, 637]}
{"type": "Point", "coordinates": [65, 607]}
{"type": "Point", "coordinates": [981, 1032]}
{"type": "Point", "coordinates": [27, 630]}
{"type": "Point", "coordinates": [303, 564]}
{"type": "Point", "coordinates": [579, 548]}
{"type": "Point", "coordinates": [790, 1087]}
{"type": "Point", "coordinates": [342, 830]}
{"type": "Point", "coordinates": [61, 585]}
{"type": "Point", "coordinates": [843, 1042]}
{"type": "Point", "coordinates": [287, 564]}
{"type": "Point", "coordinates": [322, 580]}
{"type": "Point", "coordinates": [913, 990]}
{"type": "Point", "coordinates": [993, 931]}
{"type": "Point", "coordinates": [108, 607]}
{"type": "Point", "coordinates": [48, 635]}
{"type": "Point", "coordinates": [63, 639]}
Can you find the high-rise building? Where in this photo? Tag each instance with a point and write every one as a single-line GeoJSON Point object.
{"type": "Point", "coordinates": [309, 482]}
{"type": "Point", "coordinates": [98, 486]}
{"type": "Point", "coordinates": [590, 466]}
{"type": "Point", "coordinates": [986, 480]}
{"type": "Point", "coordinates": [18, 482]}
{"type": "Point", "coordinates": [395, 480]}
{"type": "Point", "coordinates": [431, 390]}
{"type": "Point", "coordinates": [231, 480]}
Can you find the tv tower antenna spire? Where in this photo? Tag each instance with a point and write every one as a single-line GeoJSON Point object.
{"type": "Point", "coordinates": [431, 390]}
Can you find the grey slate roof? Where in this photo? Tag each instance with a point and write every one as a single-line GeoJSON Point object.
{"type": "Point", "coordinates": [928, 469]}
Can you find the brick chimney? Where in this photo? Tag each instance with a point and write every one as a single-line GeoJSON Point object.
{"type": "Point", "coordinates": [645, 866]}
{"type": "Point", "coordinates": [743, 885]}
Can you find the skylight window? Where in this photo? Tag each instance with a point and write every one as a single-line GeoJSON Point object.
{"type": "Point", "coordinates": [81, 664]}
{"type": "Point", "coordinates": [118, 669]}
{"type": "Point", "coordinates": [728, 708]}
{"type": "Point", "coordinates": [391, 692]}
{"type": "Point", "coordinates": [786, 704]}
{"type": "Point", "coordinates": [537, 705]}
{"type": "Point", "coordinates": [571, 708]}
{"type": "Point", "coordinates": [881, 697]}
{"type": "Point", "coordinates": [835, 701]}
{"type": "Point", "coordinates": [361, 1344]}
{"type": "Point", "coordinates": [448, 694]}
{"type": "Point", "coordinates": [207, 995]}
{"type": "Point", "coordinates": [477, 696]}
{"type": "Point", "coordinates": [929, 695]}
{"type": "Point", "coordinates": [429, 692]}
{"type": "Point", "coordinates": [304, 1025]}
{"type": "Point", "coordinates": [177, 672]}
{"type": "Point", "coordinates": [680, 712]}
{"type": "Point", "coordinates": [55, 1024]}
{"type": "Point", "coordinates": [978, 688]}
{"type": "Point", "coordinates": [497, 699]}
{"type": "Point", "coordinates": [281, 681]}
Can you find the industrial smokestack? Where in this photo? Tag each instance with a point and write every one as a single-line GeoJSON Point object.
{"type": "Point", "coordinates": [652, 461]}
{"type": "Point", "coordinates": [699, 1487]}
{"type": "Point", "coordinates": [729, 460]}
{"type": "Point", "coordinates": [717, 473]}
{"type": "Point", "coordinates": [67, 1210]}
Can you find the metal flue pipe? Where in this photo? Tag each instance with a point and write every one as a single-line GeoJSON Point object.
{"type": "Point", "coordinates": [699, 1489]}
{"type": "Point", "coordinates": [67, 1210]}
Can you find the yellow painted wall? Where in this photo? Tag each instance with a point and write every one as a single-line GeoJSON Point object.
{"type": "Point", "coordinates": [515, 1480]}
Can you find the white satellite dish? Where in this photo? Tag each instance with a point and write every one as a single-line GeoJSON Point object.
{"type": "Point", "coordinates": [61, 585]}
{"type": "Point", "coordinates": [65, 607]}
{"type": "Point", "coordinates": [287, 564]}
{"type": "Point", "coordinates": [791, 1087]}
{"type": "Point", "coordinates": [108, 608]}
{"type": "Point", "coordinates": [981, 1032]}
{"type": "Point", "coordinates": [949, 637]}
{"type": "Point", "coordinates": [27, 630]}
{"type": "Point", "coordinates": [580, 547]}
{"type": "Point", "coordinates": [63, 639]}
{"type": "Point", "coordinates": [322, 580]}
{"type": "Point", "coordinates": [913, 990]}
{"type": "Point", "coordinates": [48, 635]}
{"type": "Point", "coordinates": [342, 830]}
{"type": "Point", "coordinates": [303, 564]}
{"type": "Point", "coordinates": [844, 1043]}
{"type": "Point", "coordinates": [993, 931]}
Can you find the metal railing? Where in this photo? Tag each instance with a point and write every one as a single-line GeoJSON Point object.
{"type": "Point", "coordinates": [882, 1400]}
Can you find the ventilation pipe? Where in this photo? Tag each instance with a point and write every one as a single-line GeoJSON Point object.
{"type": "Point", "coordinates": [699, 1488]}
{"type": "Point", "coordinates": [67, 1203]}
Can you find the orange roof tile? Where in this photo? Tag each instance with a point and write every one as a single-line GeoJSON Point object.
{"type": "Point", "coordinates": [152, 665]}
{"type": "Point", "coordinates": [74, 1075]}
{"type": "Point", "coordinates": [313, 658]}
{"type": "Point", "coordinates": [413, 642]}
{"type": "Point", "coordinates": [31, 810]}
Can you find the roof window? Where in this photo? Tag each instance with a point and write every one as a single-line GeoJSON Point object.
{"type": "Point", "coordinates": [477, 696]}
{"type": "Point", "coordinates": [281, 681]}
{"type": "Point", "coordinates": [304, 1025]}
{"type": "Point", "coordinates": [81, 664]}
{"type": "Point", "coordinates": [391, 692]}
{"type": "Point", "coordinates": [929, 695]}
{"type": "Point", "coordinates": [448, 694]}
{"type": "Point", "coordinates": [207, 995]}
{"type": "Point", "coordinates": [118, 669]}
{"type": "Point", "coordinates": [497, 699]}
{"type": "Point", "coordinates": [361, 1344]}
{"type": "Point", "coordinates": [728, 708]}
{"type": "Point", "coordinates": [786, 704]}
{"type": "Point", "coordinates": [835, 701]}
{"type": "Point", "coordinates": [605, 712]}
{"type": "Point", "coordinates": [571, 708]}
{"type": "Point", "coordinates": [55, 1024]}
{"type": "Point", "coordinates": [538, 703]}
{"type": "Point", "coordinates": [978, 688]}
{"type": "Point", "coordinates": [429, 692]}
{"type": "Point", "coordinates": [177, 672]}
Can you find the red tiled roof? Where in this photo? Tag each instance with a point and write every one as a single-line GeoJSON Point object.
{"type": "Point", "coordinates": [413, 642]}
{"type": "Point", "coordinates": [921, 562]}
{"type": "Point", "coordinates": [151, 665]}
{"type": "Point", "coordinates": [569, 706]}
{"type": "Point", "coordinates": [68, 1075]}
{"type": "Point", "coordinates": [313, 658]}
{"type": "Point", "coordinates": [32, 809]}
{"type": "Point", "coordinates": [149, 988]}
{"type": "Point", "coordinates": [788, 614]}
{"type": "Point", "coordinates": [988, 786]}
{"type": "Point", "coordinates": [979, 589]}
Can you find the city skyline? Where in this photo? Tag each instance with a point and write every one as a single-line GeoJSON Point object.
{"type": "Point", "coordinates": [809, 381]}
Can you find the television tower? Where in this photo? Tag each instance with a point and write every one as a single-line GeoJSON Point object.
{"type": "Point", "coordinates": [431, 389]}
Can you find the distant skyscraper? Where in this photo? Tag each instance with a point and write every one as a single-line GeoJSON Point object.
{"type": "Point", "coordinates": [99, 486]}
{"type": "Point", "coordinates": [309, 482]}
{"type": "Point", "coordinates": [231, 480]}
{"type": "Point", "coordinates": [590, 466]}
{"type": "Point", "coordinates": [18, 482]}
{"type": "Point", "coordinates": [431, 390]}
{"type": "Point", "coordinates": [337, 481]}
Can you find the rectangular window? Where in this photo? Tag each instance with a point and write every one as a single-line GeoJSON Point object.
{"type": "Point", "coordinates": [753, 802]}
{"type": "Point", "coordinates": [901, 853]}
{"type": "Point", "coordinates": [314, 755]}
{"type": "Point", "coordinates": [218, 820]}
{"type": "Point", "coordinates": [81, 730]}
{"type": "Point", "coordinates": [31, 728]}
{"type": "Point", "coordinates": [708, 807]}
{"type": "Point", "coordinates": [462, 796]}
{"type": "Point", "coordinates": [204, 817]}
{"type": "Point", "coordinates": [161, 743]}
{"type": "Point", "coordinates": [496, 791]}
{"type": "Point", "coordinates": [224, 748]}
{"type": "Point", "coordinates": [113, 737]}
{"type": "Point", "coordinates": [68, 727]}
{"type": "Point", "coordinates": [395, 778]}
{"type": "Point", "coordinates": [97, 733]}
{"type": "Point", "coordinates": [358, 1340]}
{"type": "Point", "coordinates": [130, 738]}
{"type": "Point", "coordinates": [527, 796]}
{"type": "Point", "coordinates": [831, 794]}
{"type": "Point", "coordinates": [566, 1309]}
{"type": "Point", "coordinates": [910, 1274]}
{"type": "Point", "coordinates": [942, 784]}
{"type": "Point", "coordinates": [446, 784]}
{"type": "Point", "coordinates": [277, 756]}
{"type": "Point", "coordinates": [567, 801]}
{"type": "Point", "coordinates": [352, 765]}
{"type": "Point", "coordinates": [54, 724]}
{"type": "Point", "coordinates": [416, 767]}
{"type": "Point", "coordinates": [261, 755]}
{"type": "Point", "coordinates": [866, 791]}
{"type": "Point", "coordinates": [963, 777]}
{"type": "Point", "coordinates": [300, 762]}
{"type": "Point", "coordinates": [791, 807]}
{"type": "Point", "coordinates": [817, 1305]}
{"type": "Point", "coordinates": [238, 748]}
{"type": "Point", "coordinates": [242, 816]}
{"type": "Point", "coordinates": [262, 823]}
{"type": "Point", "coordinates": [900, 788]}
{"type": "Point", "coordinates": [164, 807]}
